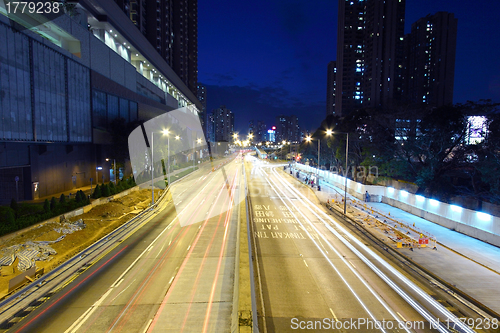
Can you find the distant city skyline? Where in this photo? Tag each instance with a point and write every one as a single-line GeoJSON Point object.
{"type": "Point", "coordinates": [269, 58]}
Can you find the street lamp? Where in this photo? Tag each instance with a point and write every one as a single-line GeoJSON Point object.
{"type": "Point", "coordinates": [198, 141]}
{"type": "Point", "coordinates": [328, 132]}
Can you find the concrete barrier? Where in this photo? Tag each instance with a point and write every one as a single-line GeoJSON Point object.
{"type": "Point", "coordinates": [477, 224]}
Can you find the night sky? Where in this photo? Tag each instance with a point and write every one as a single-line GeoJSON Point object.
{"type": "Point", "coordinates": [263, 58]}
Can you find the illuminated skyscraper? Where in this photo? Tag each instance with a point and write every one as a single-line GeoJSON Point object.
{"type": "Point", "coordinates": [369, 53]}
{"type": "Point", "coordinates": [330, 87]}
{"type": "Point", "coordinates": [430, 60]}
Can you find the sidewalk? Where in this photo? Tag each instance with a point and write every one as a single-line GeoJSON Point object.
{"type": "Point", "coordinates": [469, 264]}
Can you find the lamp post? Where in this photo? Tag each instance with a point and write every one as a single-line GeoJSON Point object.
{"type": "Point", "coordinates": [284, 143]}
{"type": "Point", "coordinates": [165, 132]}
{"type": "Point", "coordinates": [328, 132]}
{"type": "Point", "coordinates": [199, 142]}
{"type": "Point", "coordinates": [346, 166]}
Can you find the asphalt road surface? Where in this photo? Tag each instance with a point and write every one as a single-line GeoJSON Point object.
{"type": "Point", "coordinates": [176, 273]}
{"type": "Point", "coordinates": [166, 277]}
{"type": "Point", "coordinates": [311, 272]}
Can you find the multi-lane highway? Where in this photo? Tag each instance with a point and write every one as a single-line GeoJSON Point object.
{"type": "Point", "coordinates": [174, 274]}
{"type": "Point", "coordinates": [311, 270]}
{"type": "Point", "coordinates": [176, 271]}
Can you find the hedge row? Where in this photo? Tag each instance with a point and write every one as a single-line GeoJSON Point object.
{"type": "Point", "coordinates": [14, 218]}
{"type": "Point", "coordinates": [105, 190]}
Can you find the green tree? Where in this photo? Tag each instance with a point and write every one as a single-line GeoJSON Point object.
{"type": "Point", "coordinates": [46, 206]}
{"type": "Point", "coordinates": [112, 188]}
{"type": "Point", "coordinates": [53, 204]}
{"type": "Point", "coordinates": [7, 219]}
{"type": "Point", "coordinates": [487, 161]}
{"type": "Point", "coordinates": [14, 206]}
{"type": "Point", "coordinates": [97, 192]}
{"type": "Point", "coordinates": [105, 190]}
{"type": "Point", "coordinates": [78, 197]}
{"type": "Point", "coordinates": [62, 199]}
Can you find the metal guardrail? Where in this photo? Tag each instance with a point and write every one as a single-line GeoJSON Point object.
{"type": "Point", "coordinates": [255, 321]}
{"type": "Point", "coordinates": [74, 266]}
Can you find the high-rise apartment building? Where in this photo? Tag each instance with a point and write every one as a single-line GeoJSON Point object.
{"type": "Point", "coordinates": [171, 26]}
{"type": "Point", "coordinates": [185, 40]}
{"type": "Point", "coordinates": [210, 127]}
{"type": "Point", "coordinates": [330, 87]}
{"type": "Point", "coordinates": [369, 53]}
{"type": "Point", "coordinates": [58, 107]}
{"type": "Point", "coordinates": [137, 14]}
{"type": "Point", "coordinates": [251, 127]}
{"type": "Point", "coordinates": [223, 124]}
{"type": "Point", "coordinates": [260, 131]}
{"type": "Point", "coordinates": [287, 128]}
{"type": "Point", "coordinates": [430, 60]}
{"type": "Point", "coordinates": [202, 97]}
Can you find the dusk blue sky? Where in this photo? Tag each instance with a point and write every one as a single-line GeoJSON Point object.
{"type": "Point", "coordinates": [263, 58]}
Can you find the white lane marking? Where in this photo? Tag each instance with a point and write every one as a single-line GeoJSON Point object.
{"type": "Point", "coordinates": [322, 246]}
{"type": "Point", "coordinates": [160, 250]}
{"type": "Point", "coordinates": [77, 324]}
{"type": "Point", "coordinates": [123, 290]}
{"type": "Point", "coordinates": [333, 314]}
{"type": "Point", "coordinates": [292, 211]}
{"type": "Point", "coordinates": [147, 326]}
{"type": "Point", "coordinates": [84, 317]}
{"type": "Point", "coordinates": [405, 296]}
{"type": "Point", "coordinates": [119, 283]}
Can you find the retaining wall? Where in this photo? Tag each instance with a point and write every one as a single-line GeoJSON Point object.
{"type": "Point", "coordinates": [473, 223]}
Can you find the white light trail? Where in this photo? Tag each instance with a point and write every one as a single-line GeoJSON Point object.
{"type": "Point", "coordinates": [450, 318]}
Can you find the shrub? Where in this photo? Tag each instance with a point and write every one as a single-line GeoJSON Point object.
{"type": "Point", "coordinates": [46, 206]}
{"type": "Point", "coordinates": [29, 209]}
{"type": "Point", "coordinates": [53, 204]}
{"type": "Point", "coordinates": [105, 190]}
{"type": "Point", "coordinates": [14, 206]}
{"type": "Point", "coordinates": [112, 188]}
{"type": "Point", "coordinates": [97, 192]}
{"type": "Point", "coordinates": [81, 197]}
{"type": "Point", "coordinates": [7, 218]}
{"type": "Point", "coordinates": [78, 197]}
{"type": "Point", "coordinates": [62, 199]}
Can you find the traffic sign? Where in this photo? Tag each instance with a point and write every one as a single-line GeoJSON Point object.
{"type": "Point", "coordinates": [16, 179]}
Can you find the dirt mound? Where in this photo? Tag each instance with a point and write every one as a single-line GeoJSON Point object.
{"type": "Point", "coordinates": [99, 221]}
